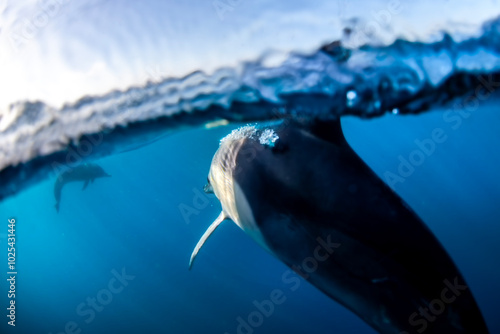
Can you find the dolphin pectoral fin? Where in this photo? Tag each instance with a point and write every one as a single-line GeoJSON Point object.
{"type": "Point", "coordinates": [205, 236]}
{"type": "Point", "coordinates": [85, 184]}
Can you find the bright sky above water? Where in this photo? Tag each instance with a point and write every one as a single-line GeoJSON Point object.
{"type": "Point", "coordinates": [58, 50]}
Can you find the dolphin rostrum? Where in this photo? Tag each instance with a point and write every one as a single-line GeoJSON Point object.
{"type": "Point", "coordinates": [86, 172]}
{"type": "Point", "coordinates": [294, 187]}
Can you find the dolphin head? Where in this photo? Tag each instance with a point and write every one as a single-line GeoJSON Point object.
{"type": "Point", "coordinates": [222, 181]}
{"type": "Point", "coordinates": [239, 147]}
{"type": "Point", "coordinates": [99, 171]}
{"type": "Point", "coordinates": [221, 177]}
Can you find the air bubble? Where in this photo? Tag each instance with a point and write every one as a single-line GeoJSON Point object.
{"type": "Point", "coordinates": [351, 97]}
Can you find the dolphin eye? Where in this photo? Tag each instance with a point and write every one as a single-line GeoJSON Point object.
{"type": "Point", "coordinates": [208, 187]}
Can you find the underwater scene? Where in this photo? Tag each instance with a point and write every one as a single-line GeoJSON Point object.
{"type": "Point", "coordinates": [250, 167]}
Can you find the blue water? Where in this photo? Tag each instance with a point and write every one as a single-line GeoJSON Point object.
{"type": "Point", "coordinates": [132, 222]}
{"type": "Point", "coordinates": [149, 76]}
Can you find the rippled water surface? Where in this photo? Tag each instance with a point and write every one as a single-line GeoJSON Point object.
{"type": "Point", "coordinates": [147, 90]}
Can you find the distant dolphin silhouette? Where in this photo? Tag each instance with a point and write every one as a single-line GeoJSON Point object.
{"type": "Point", "coordinates": [307, 198]}
{"type": "Point", "coordinates": [87, 172]}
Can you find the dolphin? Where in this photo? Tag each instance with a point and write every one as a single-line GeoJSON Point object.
{"type": "Point", "coordinates": [302, 193]}
{"type": "Point", "coordinates": [86, 172]}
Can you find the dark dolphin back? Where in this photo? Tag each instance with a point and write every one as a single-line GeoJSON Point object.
{"type": "Point", "coordinates": [389, 268]}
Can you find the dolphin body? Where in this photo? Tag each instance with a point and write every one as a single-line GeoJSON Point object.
{"type": "Point", "coordinates": [87, 172]}
{"type": "Point", "coordinates": [302, 193]}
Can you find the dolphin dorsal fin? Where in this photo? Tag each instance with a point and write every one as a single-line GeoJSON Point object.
{"type": "Point", "coordinates": [205, 236]}
{"type": "Point", "coordinates": [329, 130]}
